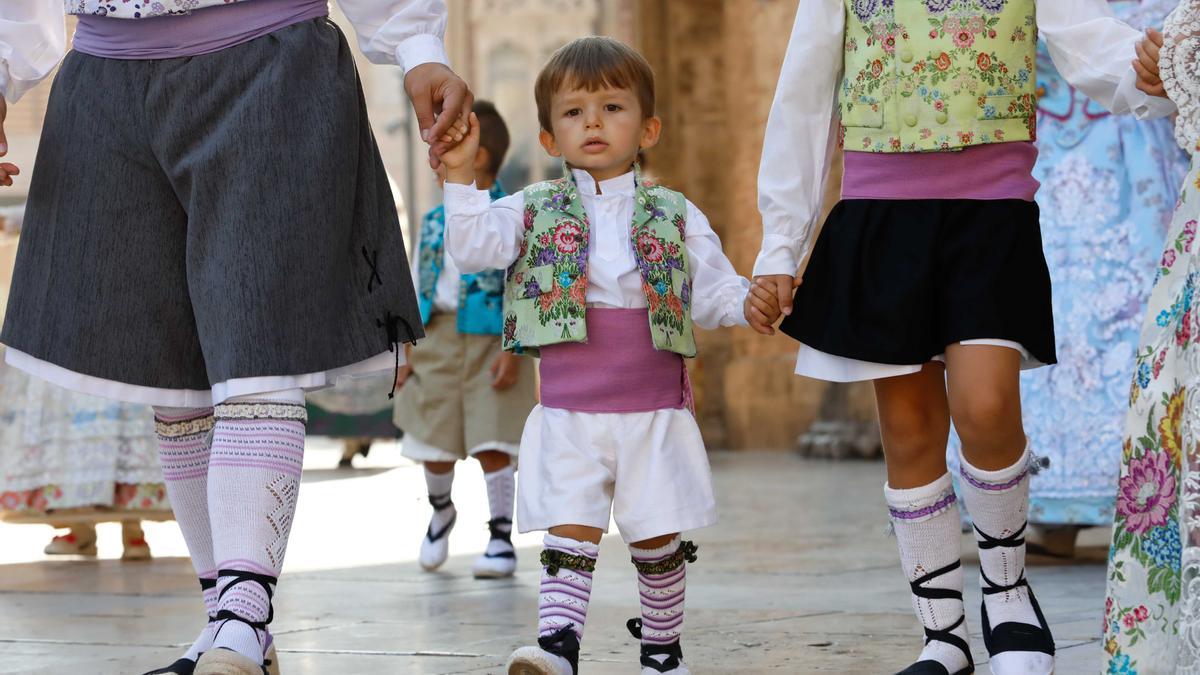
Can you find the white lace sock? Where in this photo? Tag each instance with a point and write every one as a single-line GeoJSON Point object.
{"type": "Point", "coordinates": [253, 484]}
{"type": "Point", "coordinates": [439, 486]}
{"type": "Point", "coordinates": [184, 446]}
{"type": "Point", "coordinates": [501, 489]}
{"type": "Point", "coordinates": [998, 502]}
{"type": "Point", "coordinates": [927, 531]}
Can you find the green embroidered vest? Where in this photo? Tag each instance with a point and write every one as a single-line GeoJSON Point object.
{"type": "Point", "coordinates": [928, 75]}
{"type": "Point", "coordinates": [545, 297]}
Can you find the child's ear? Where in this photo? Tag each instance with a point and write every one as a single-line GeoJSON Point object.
{"type": "Point", "coordinates": [548, 143]}
{"type": "Point", "coordinates": [482, 159]}
{"type": "Point", "coordinates": [651, 130]}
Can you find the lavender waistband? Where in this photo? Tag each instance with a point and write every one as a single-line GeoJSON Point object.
{"type": "Point", "coordinates": [202, 32]}
{"type": "Point", "coordinates": [996, 171]}
{"type": "Point", "coordinates": [617, 370]}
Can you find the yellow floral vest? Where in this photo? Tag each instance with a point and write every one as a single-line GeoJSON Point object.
{"type": "Point", "coordinates": [929, 75]}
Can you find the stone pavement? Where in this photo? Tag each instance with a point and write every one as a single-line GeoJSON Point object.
{"type": "Point", "coordinates": [799, 577]}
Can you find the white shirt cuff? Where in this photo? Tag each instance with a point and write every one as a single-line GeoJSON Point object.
{"type": "Point", "coordinates": [465, 197]}
{"type": "Point", "coordinates": [419, 49]}
{"type": "Point", "coordinates": [1142, 105]}
{"type": "Point", "coordinates": [779, 255]}
{"type": "Point", "coordinates": [736, 314]}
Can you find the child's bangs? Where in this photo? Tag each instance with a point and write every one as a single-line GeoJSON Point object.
{"type": "Point", "coordinates": [596, 74]}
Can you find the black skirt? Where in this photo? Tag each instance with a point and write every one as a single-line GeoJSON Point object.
{"type": "Point", "coordinates": [896, 281]}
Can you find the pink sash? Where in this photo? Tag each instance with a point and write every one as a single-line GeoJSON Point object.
{"type": "Point", "coordinates": [617, 370]}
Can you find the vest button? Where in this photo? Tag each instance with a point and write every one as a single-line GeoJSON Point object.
{"type": "Point", "coordinates": [910, 119]}
{"type": "Point", "coordinates": [942, 117]}
{"type": "Point", "coordinates": [906, 56]}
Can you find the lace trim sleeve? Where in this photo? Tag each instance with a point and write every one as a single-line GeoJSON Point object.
{"type": "Point", "coordinates": [1179, 64]}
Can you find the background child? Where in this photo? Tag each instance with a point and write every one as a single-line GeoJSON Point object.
{"type": "Point", "coordinates": [601, 273]}
{"type": "Point", "coordinates": [461, 394]}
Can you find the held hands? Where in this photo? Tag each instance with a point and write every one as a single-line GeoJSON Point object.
{"type": "Point", "coordinates": [441, 99]}
{"type": "Point", "coordinates": [7, 169]}
{"type": "Point", "coordinates": [1146, 64]}
{"type": "Point", "coordinates": [505, 370]}
{"type": "Point", "coordinates": [459, 159]}
{"type": "Point", "coordinates": [769, 298]}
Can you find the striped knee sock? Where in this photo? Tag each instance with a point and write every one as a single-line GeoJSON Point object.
{"type": "Point", "coordinates": [566, 588]}
{"type": "Point", "coordinates": [662, 579]}
{"type": "Point", "coordinates": [254, 481]}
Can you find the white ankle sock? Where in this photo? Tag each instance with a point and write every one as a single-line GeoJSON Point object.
{"type": "Point", "coordinates": [928, 532]}
{"type": "Point", "coordinates": [254, 481]}
{"type": "Point", "coordinates": [998, 503]}
{"type": "Point", "coordinates": [501, 488]}
{"type": "Point", "coordinates": [184, 445]}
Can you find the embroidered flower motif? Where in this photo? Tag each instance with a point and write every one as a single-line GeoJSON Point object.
{"type": "Point", "coordinates": [963, 38]}
{"type": "Point", "coordinates": [567, 236]}
{"type": "Point", "coordinates": [943, 62]}
{"type": "Point", "coordinates": [1121, 665]}
{"type": "Point", "coordinates": [984, 61]}
{"type": "Point", "coordinates": [864, 9]}
{"type": "Point", "coordinates": [1168, 259]}
{"type": "Point", "coordinates": [1146, 494]}
{"type": "Point", "coordinates": [1159, 362]}
{"type": "Point", "coordinates": [650, 247]}
{"type": "Point", "coordinates": [889, 43]}
{"type": "Point", "coordinates": [938, 6]}
{"type": "Point", "coordinates": [1170, 431]}
{"type": "Point", "coordinates": [1163, 546]}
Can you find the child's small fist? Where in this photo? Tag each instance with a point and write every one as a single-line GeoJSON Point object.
{"type": "Point", "coordinates": [459, 159]}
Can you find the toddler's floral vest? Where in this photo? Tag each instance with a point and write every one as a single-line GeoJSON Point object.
{"type": "Point", "coordinates": [545, 296]}
{"type": "Point", "coordinates": [928, 75]}
{"type": "Point", "coordinates": [139, 9]}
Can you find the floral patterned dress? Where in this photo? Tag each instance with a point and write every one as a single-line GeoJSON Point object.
{"type": "Point", "coordinates": [63, 452]}
{"type": "Point", "coordinates": [1152, 613]}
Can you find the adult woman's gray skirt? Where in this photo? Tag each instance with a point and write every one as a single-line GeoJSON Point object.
{"type": "Point", "coordinates": [210, 226]}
